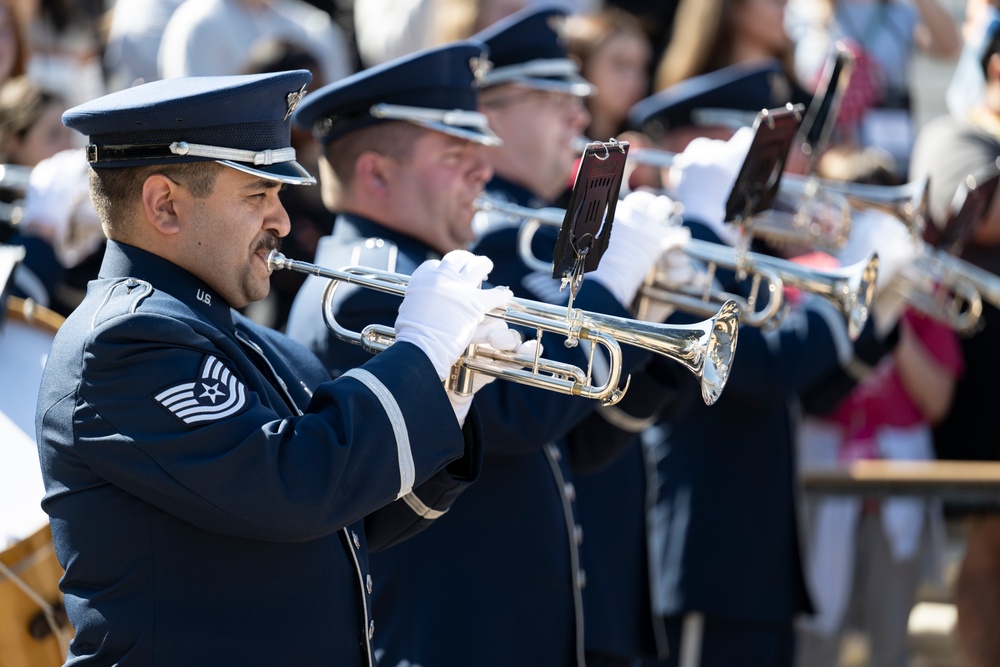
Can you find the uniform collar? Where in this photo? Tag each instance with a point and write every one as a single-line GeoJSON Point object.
{"type": "Point", "coordinates": [125, 261]}
{"type": "Point", "coordinates": [355, 225]}
{"type": "Point", "coordinates": [515, 193]}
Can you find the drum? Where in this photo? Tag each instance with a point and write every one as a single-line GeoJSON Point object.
{"type": "Point", "coordinates": [33, 628]}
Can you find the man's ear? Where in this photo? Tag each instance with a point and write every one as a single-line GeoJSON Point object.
{"type": "Point", "coordinates": [371, 172]}
{"type": "Point", "coordinates": [159, 199]}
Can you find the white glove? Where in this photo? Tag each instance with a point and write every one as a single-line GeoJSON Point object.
{"type": "Point", "coordinates": [641, 233]}
{"type": "Point", "coordinates": [703, 175]}
{"type": "Point", "coordinates": [888, 308]}
{"type": "Point", "coordinates": [673, 268]}
{"type": "Point", "coordinates": [444, 306]}
{"type": "Point", "coordinates": [492, 333]}
{"type": "Point", "coordinates": [873, 230]}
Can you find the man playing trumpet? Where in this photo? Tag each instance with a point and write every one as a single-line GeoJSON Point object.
{"type": "Point", "coordinates": [497, 581]}
{"type": "Point", "coordinates": [205, 480]}
{"type": "Point", "coordinates": [727, 504]}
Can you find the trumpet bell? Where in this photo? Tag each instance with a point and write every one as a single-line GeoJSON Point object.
{"type": "Point", "coordinates": [858, 295]}
{"type": "Point", "coordinates": [720, 352]}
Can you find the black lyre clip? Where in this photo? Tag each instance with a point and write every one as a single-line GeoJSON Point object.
{"type": "Point", "coordinates": [586, 228]}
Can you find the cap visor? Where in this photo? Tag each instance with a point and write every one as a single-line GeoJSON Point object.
{"type": "Point", "coordinates": [486, 137]}
{"type": "Point", "coordinates": [290, 172]}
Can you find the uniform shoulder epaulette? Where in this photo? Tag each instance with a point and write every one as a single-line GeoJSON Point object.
{"type": "Point", "coordinates": [122, 298]}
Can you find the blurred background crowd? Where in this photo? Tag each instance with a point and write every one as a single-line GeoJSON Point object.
{"type": "Point", "coordinates": [58, 53]}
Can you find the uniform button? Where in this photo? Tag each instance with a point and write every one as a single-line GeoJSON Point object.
{"type": "Point", "coordinates": [569, 491]}
{"type": "Point", "coordinates": [371, 630]}
{"type": "Point", "coordinates": [368, 583]}
{"type": "Point", "coordinates": [581, 579]}
{"type": "Point", "coordinates": [357, 542]}
{"type": "Point", "coordinates": [578, 534]}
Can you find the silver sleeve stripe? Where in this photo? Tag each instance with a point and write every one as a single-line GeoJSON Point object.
{"type": "Point", "coordinates": [407, 471]}
{"type": "Point", "coordinates": [624, 421]}
{"type": "Point", "coordinates": [418, 506]}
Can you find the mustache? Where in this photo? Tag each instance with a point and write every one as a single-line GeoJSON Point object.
{"type": "Point", "coordinates": [270, 242]}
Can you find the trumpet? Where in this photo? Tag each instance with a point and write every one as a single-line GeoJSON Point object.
{"type": "Point", "coordinates": [948, 288]}
{"type": "Point", "coordinates": [706, 348]}
{"type": "Point", "coordinates": [851, 289]}
{"type": "Point", "coordinates": [948, 299]}
{"type": "Point", "coordinates": [819, 217]}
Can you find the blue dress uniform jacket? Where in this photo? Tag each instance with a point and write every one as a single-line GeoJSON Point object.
{"type": "Point", "coordinates": [496, 580]}
{"type": "Point", "coordinates": [207, 484]}
{"type": "Point", "coordinates": [615, 480]}
{"type": "Point", "coordinates": [727, 529]}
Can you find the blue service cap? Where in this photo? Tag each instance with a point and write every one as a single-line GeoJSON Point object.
{"type": "Point", "coordinates": [435, 88]}
{"type": "Point", "coordinates": [731, 97]}
{"type": "Point", "coordinates": [527, 49]}
{"type": "Point", "coordinates": [239, 121]}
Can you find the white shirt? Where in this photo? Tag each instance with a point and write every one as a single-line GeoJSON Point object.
{"type": "Point", "coordinates": [217, 37]}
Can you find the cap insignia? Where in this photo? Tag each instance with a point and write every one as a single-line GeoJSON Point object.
{"type": "Point", "coordinates": [293, 100]}
{"type": "Point", "coordinates": [480, 66]}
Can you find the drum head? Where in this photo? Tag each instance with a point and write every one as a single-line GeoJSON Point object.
{"type": "Point", "coordinates": [25, 540]}
{"type": "Point", "coordinates": [25, 339]}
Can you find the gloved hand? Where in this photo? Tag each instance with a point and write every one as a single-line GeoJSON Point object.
{"type": "Point", "coordinates": [673, 268]}
{"type": "Point", "coordinates": [888, 308]}
{"type": "Point", "coordinates": [702, 178]}
{"type": "Point", "coordinates": [492, 333]}
{"type": "Point", "coordinates": [873, 230]}
{"type": "Point", "coordinates": [444, 306]}
{"type": "Point", "coordinates": [642, 232]}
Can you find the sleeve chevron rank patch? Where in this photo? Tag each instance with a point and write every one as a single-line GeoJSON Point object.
{"type": "Point", "coordinates": [214, 395]}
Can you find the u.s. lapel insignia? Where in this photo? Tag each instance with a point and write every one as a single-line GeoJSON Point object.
{"type": "Point", "coordinates": [293, 99]}
{"type": "Point", "coordinates": [214, 395]}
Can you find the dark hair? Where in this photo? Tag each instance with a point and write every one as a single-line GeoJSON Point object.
{"type": "Point", "coordinates": [991, 45]}
{"type": "Point", "coordinates": [21, 52]}
{"type": "Point", "coordinates": [115, 192]}
{"type": "Point", "coordinates": [394, 139]}
{"type": "Point", "coordinates": [585, 34]}
{"type": "Point", "coordinates": [22, 102]}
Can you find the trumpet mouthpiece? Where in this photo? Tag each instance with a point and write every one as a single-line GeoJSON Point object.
{"type": "Point", "coordinates": [275, 260]}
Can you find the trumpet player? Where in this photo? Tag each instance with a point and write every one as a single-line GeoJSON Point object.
{"type": "Point", "coordinates": [866, 556]}
{"type": "Point", "coordinates": [727, 503]}
{"type": "Point", "coordinates": [947, 150]}
{"type": "Point", "coordinates": [538, 116]}
{"type": "Point", "coordinates": [208, 485]}
{"type": "Point", "coordinates": [497, 581]}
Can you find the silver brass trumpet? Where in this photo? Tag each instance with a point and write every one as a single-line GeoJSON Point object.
{"type": "Point", "coordinates": [821, 218]}
{"type": "Point", "coordinates": [932, 290]}
{"type": "Point", "coordinates": [851, 288]}
{"type": "Point", "coordinates": [705, 349]}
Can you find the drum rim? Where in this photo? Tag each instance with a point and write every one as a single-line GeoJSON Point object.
{"type": "Point", "coordinates": [33, 314]}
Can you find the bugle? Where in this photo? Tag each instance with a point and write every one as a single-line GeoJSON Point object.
{"type": "Point", "coordinates": [706, 348]}
{"type": "Point", "coordinates": [851, 289]}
